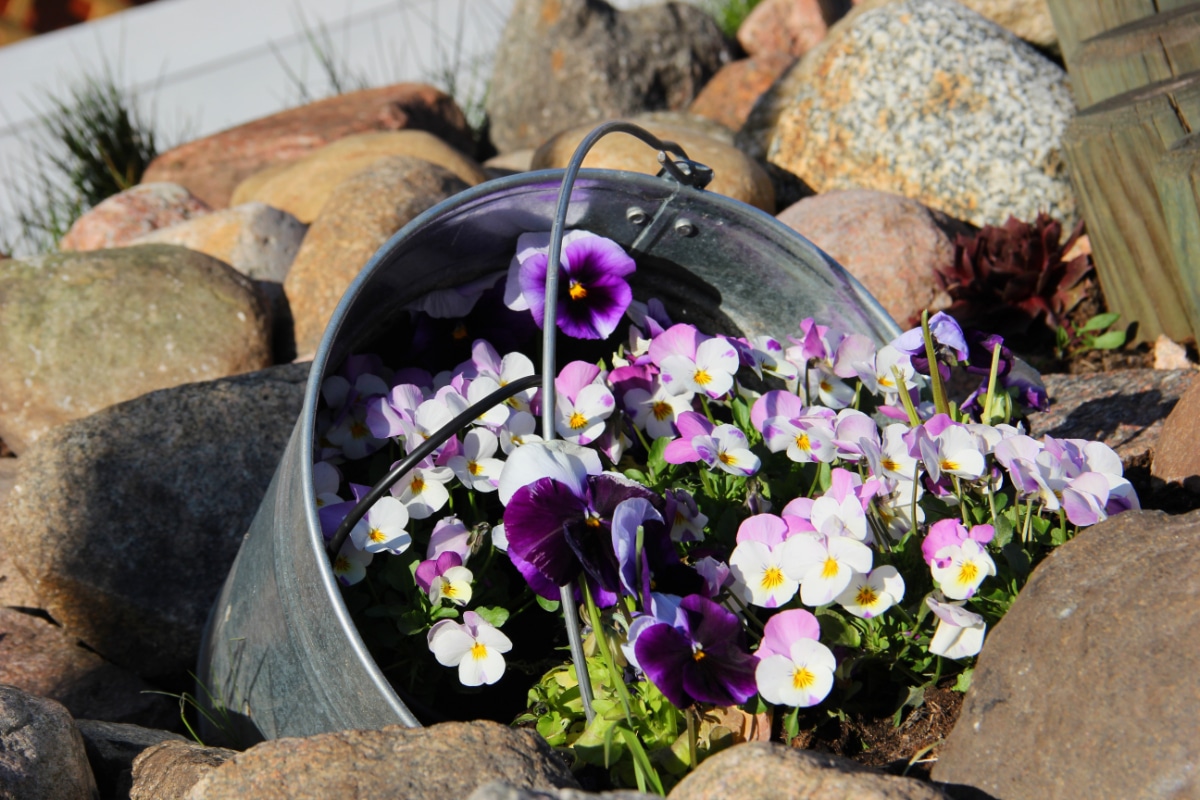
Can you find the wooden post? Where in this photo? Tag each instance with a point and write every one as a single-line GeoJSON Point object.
{"type": "Point", "coordinates": [1146, 51]}
{"type": "Point", "coordinates": [1077, 20]}
{"type": "Point", "coordinates": [1177, 176]}
{"type": "Point", "coordinates": [1112, 149]}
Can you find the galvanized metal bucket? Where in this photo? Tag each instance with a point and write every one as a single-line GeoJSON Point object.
{"type": "Point", "coordinates": [280, 653]}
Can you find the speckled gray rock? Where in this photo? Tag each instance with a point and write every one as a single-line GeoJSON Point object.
{"type": "Point", "coordinates": [169, 770]}
{"type": "Point", "coordinates": [362, 213]}
{"type": "Point", "coordinates": [255, 239]}
{"type": "Point", "coordinates": [761, 770]}
{"type": "Point", "coordinates": [568, 62]}
{"type": "Point", "coordinates": [120, 219]}
{"type": "Point", "coordinates": [449, 760]}
{"type": "Point", "coordinates": [927, 99]}
{"type": "Point", "coordinates": [81, 331]}
{"type": "Point", "coordinates": [41, 752]}
{"type": "Point", "coordinates": [148, 502]}
{"type": "Point", "coordinates": [41, 659]}
{"type": "Point", "coordinates": [892, 244]}
{"type": "Point", "coordinates": [1089, 685]}
{"type": "Point", "coordinates": [1125, 408]}
{"type": "Point", "coordinates": [111, 749]}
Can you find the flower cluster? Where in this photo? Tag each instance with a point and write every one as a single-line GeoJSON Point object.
{"type": "Point", "coordinates": [739, 516]}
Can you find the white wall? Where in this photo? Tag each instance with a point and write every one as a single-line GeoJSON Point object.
{"type": "Point", "coordinates": [200, 66]}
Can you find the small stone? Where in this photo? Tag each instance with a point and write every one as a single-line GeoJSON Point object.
{"type": "Point", "coordinates": [572, 62]}
{"type": "Point", "coordinates": [112, 747]}
{"type": "Point", "coordinates": [1125, 409]}
{"type": "Point", "coordinates": [758, 770]}
{"type": "Point", "coordinates": [443, 761]}
{"type": "Point", "coordinates": [171, 768]}
{"type": "Point", "coordinates": [499, 790]}
{"type": "Point", "coordinates": [304, 186]}
{"type": "Point", "coordinates": [735, 175]}
{"type": "Point", "coordinates": [916, 97]}
{"type": "Point", "coordinates": [1089, 685]}
{"type": "Point", "coordinates": [148, 502]}
{"type": "Point", "coordinates": [1170, 355]}
{"type": "Point", "coordinates": [362, 214]}
{"type": "Point", "coordinates": [135, 212]}
{"type": "Point", "coordinates": [785, 27]}
{"type": "Point", "coordinates": [41, 659]}
{"type": "Point", "coordinates": [213, 166]}
{"type": "Point", "coordinates": [81, 331]}
{"type": "Point", "coordinates": [510, 162]}
{"type": "Point", "coordinates": [733, 91]}
{"type": "Point", "coordinates": [41, 752]}
{"type": "Point", "coordinates": [255, 239]}
{"type": "Point", "coordinates": [891, 244]}
{"type": "Point", "coordinates": [1177, 450]}
{"type": "Point", "coordinates": [1028, 19]}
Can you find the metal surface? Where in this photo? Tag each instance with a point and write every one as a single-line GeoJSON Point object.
{"type": "Point", "coordinates": [280, 650]}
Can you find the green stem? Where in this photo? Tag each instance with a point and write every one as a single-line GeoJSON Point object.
{"type": "Point", "coordinates": [606, 653]}
{"type": "Point", "coordinates": [906, 398]}
{"type": "Point", "coordinates": [991, 392]}
{"type": "Point", "coordinates": [693, 737]}
{"type": "Point", "coordinates": [935, 376]}
{"type": "Point", "coordinates": [707, 411]}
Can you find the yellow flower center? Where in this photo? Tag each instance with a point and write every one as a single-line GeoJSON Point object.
{"type": "Point", "coordinates": [578, 421]}
{"type": "Point", "coordinates": [460, 332]}
{"type": "Point", "coordinates": [577, 291]}
{"type": "Point", "coordinates": [661, 409]}
{"type": "Point", "coordinates": [727, 460]}
{"type": "Point", "coordinates": [889, 465]}
{"type": "Point", "coordinates": [702, 378]}
{"type": "Point", "coordinates": [802, 678]}
{"type": "Point", "coordinates": [699, 655]}
{"type": "Point", "coordinates": [417, 485]}
{"type": "Point", "coordinates": [449, 591]}
{"type": "Point", "coordinates": [772, 579]}
{"type": "Point", "coordinates": [866, 596]}
{"type": "Point", "coordinates": [967, 572]}
{"type": "Point", "coordinates": [479, 651]}
{"type": "Point", "coordinates": [377, 535]}
{"type": "Point", "coordinates": [341, 564]}
{"type": "Point", "coordinates": [474, 468]}
{"type": "Point", "coordinates": [803, 443]}
{"type": "Point", "coordinates": [947, 465]}
{"type": "Point", "coordinates": [885, 380]}
{"type": "Point", "coordinates": [830, 568]}
{"type": "Point", "coordinates": [359, 430]}
{"type": "Point", "coordinates": [826, 386]}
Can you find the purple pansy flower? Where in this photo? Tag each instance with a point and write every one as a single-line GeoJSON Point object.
{"type": "Point", "coordinates": [700, 658]}
{"type": "Point", "coordinates": [592, 292]}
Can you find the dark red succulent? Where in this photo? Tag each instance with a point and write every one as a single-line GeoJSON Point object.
{"type": "Point", "coordinates": [1005, 279]}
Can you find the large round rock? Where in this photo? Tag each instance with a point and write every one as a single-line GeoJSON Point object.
{"type": "Point", "coordinates": [927, 99]}
{"type": "Point", "coordinates": [1090, 685]}
{"type": "Point", "coordinates": [81, 331]}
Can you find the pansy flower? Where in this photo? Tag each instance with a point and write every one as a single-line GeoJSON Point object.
{"type": "Point", "coordinates": [475, 646]}
{"type": "Point", "coordinates": [445, 577]}
{"type": "Point", "coordinates": [959, 632]}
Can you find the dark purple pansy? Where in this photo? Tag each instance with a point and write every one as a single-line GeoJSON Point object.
{"type": "Point", "coordinates": [701, 658]}
{"type": "Point", "coordinates": [592, 291]}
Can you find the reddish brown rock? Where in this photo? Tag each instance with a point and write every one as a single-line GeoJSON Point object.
{"type": "Point", "coordinates": [1177, 456]}
{"type": "Point", "coordinates": [41, 659]}
{"type": "Point", "coordinates": [792, 27]}
{"type": "Point", "coordinates": [891, 244]}
{"type": "Point", "coordinates": [213, 166]}
{"type": "Point", "coordinates": [172, 768]}
{"type": "Point", "coordinates": [134, 212]}
{"type": "Point", "coordinates": [732, 92]}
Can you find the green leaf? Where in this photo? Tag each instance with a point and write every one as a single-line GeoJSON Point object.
{"type": "Point", "coordinates": [641, 762]}
{"type": "Point", "coordinates": [1017, 558]}
{"type": "Point", "coordinates": [1004, 530]}
{"type": "Point", "coordinates": [791, 724]}
{"type": "Point", "coordinates": [1109, 341]}
{"type": "Point", "coordinates": [964, 680]}
{"type": "Point", "coordinates": [654, 459]}
{"type": "Point", "coordinates": [493, 615]}
{"type": "Point", "coordinates": [915, 699]}
{"type": "Point", "coordinates": [836, 630]}
{"type": "Point", "coordinates": [548, 605]}
{"type": "Point", "coordinates": [637, 475]}
{"type": "Point", "coordinates": [741, 413]}
{"type": "Point", "coordinates": [1100, 322]}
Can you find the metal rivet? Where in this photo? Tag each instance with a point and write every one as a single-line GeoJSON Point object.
{"type": "Point", "coordinates": [636, 215]}
{"type": "Point", "coordinates": [685, 227]}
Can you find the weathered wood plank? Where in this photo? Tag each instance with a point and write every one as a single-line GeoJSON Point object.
{"type": "Point", "coordinates": [1078, 20]}
{"type": "Point", "coordinates": [1146, 51]}
{"type": "Point", "coordinates": [1112, 149]}
{"type": "Point", "coordinates": [1177, 176]}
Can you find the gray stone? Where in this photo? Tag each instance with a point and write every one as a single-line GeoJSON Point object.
{"type": "Point", "coordinates": [927, 99]}
{"type": "Point", "coordinates": [569, 62]}
{"type": "Point", "coordinates": [112, 747]}
{"type": "Point", "coordinates": [41, 659]}
{"type": "Point", "coordinates": [148, 502]}
{"type": "Point", "coordinates": [41, 752]}
{"type": "Point", "coordinates": [892, 244]}
{"type": "Point", "coordinates": [81, 331]}
{"type": "Point", "coordinates": [118, 220]}
{"type": "Point", "coordinates": [169, 770]}
{"type": "Point", "coordinates": [443, 761]}
{"type": "Point", "coordinates": [1089, 685]}
{"type": "Point", "coordinates": [761, 770]}
{"type": "Point", "coordinates": [362, 213]}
